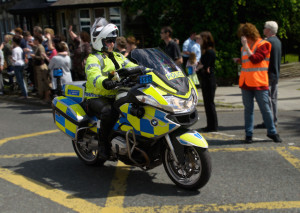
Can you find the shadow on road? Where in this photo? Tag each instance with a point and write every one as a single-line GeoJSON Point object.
{"type": "Point", "coordinates": [28, 109]}
{"type": "Point", "coordinates": [69, 174]}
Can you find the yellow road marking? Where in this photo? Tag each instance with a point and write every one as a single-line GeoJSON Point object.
{"type": "Point", "coordinates": [80, 205]}
{"type": "Point", "coordinates": [116, 195]}
{"type": "Point", "coordinates": [221, 136]}
{"type": "Point", "coordinates": [294, 148]}
{"type": "Point", "coordinates": [234, 149]}
{"type": "Point", "coordinates": [240, 149]}
{"type": "Point", "coordinates": [55, 195]}
{"type": "Point", "coordinates": [216, 208]}
{"type": "Point", "coordinates": [3, 141]}
{"type": "Point", "coordinates": [43, 155]}
{"type": "Point", "coordinates": [289, 157]}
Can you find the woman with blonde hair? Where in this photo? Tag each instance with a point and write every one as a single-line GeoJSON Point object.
{"type": "Point", "coordinates": [191, 66]}
{"type": "Point", "coordinates": [49, 44]}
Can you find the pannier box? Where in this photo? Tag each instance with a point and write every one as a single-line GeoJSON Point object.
{"type": "Point", "coordinates": [74, 90]}
{"type": "Point", "coordinates": [68, 116]}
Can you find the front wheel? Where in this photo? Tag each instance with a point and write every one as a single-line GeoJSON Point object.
{"type": "Point", "coordinates": [86, 154]}
{"type": "Point", "coordinates": [194, 173]}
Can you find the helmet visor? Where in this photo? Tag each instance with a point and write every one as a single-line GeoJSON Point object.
{"type": "Point", "coordinates": [110, 40]}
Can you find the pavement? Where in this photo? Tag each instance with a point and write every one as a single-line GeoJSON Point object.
{"type": "Point", "coordinates": [288, 95]}
{"type": "Point", "coordinates": [226, 98]}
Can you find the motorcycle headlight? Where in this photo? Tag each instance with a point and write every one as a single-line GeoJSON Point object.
{"type": "Point", "coordinates": [175, 104]}
{"type": "Point", "coordinates": [179, 105]}
{"type": "Point", "coordinates": [148, 100]}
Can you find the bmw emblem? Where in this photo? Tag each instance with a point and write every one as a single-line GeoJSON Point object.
{"type": "Point", "coordinates": [154, 122]}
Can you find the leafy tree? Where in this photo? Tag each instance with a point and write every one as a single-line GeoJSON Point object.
{"type": "Point", "coordinates": [220, 17]}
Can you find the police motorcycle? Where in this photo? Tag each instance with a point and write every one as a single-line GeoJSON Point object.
{"type": "Point", "coordinates": [157, 106]}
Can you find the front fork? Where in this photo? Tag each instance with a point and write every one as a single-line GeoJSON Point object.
{"type": "Point", "coordinates": [167, 137]}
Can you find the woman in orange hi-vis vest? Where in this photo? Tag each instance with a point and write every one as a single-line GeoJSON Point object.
{"type": "Point", "coordinates": [255, 55]}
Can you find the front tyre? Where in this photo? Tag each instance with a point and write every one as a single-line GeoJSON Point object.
{"type": "Point", "coordinates": [87, 155]}
{"type": "Point", "coordinates": [194, 173]}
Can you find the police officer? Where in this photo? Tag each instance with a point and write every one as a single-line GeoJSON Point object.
{"type": "Point", "coordinates": [100, 91]}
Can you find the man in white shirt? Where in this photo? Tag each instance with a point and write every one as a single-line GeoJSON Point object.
{"type": "Point", "coordinates": [187, 48]}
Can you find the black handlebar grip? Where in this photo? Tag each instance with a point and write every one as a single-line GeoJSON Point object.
{"type": "Point", "coordinates": [124, 72]}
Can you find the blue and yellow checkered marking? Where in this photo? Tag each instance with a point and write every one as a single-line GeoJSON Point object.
{"type": "Point", "coordinates": [70, 108]}
{"type": "Point", "coordinates": [65, 125]}
{"type": "Point", "coordinates": [143, 126]}
{"type": "Point", "coordinates": [74, 92]}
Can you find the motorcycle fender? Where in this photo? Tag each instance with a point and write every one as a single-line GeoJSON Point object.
{"type": "Point", "coordinates": [192, 138]}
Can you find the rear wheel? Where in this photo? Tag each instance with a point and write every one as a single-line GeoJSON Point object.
{"type": "Point", "coordinates": [86, 154]}
{"type": "Point", "coordinates": [195, 171]}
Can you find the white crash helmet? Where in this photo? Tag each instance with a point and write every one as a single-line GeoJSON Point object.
{"type": "Point", "coordinates": [100, 31]}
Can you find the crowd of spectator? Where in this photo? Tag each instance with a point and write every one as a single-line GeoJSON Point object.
{"type": "Point", "coordinates": [43, 52]}
{"type": "Point", "coordinates": [27, 60]}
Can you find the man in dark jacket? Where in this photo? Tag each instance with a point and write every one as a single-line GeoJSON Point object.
{"type": "Point", "coordinates": [270, 31]}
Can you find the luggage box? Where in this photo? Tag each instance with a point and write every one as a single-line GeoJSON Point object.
{"type": "Point", "coordinates": [68, 116]}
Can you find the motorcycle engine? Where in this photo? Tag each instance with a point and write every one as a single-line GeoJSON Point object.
{"type": "Point", "coordinates": [89, 139]}
{"type": "Point", "coordinates": [119, 146]}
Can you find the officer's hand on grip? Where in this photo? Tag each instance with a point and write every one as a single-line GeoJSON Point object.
{"type": "Point", "coordinates": [111, 75]}
{"type": "Point", "coordinates": [109, 84]}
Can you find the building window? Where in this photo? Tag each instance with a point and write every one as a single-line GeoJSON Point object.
{"type": "Point", "coordinates": [63, 24]}
{"type": "Point", "coordinates": [85, 20]}
{"type": "Point", "coordinates": [11, 23]}
{"type": "Point", "coordinates": [2, 30]}
{"type": "Point", "coordinates": [115, 17]}
{"type": "Point", "coordinates": [99, 12]}
{"type": "Point", "coordinates": [44, 21]}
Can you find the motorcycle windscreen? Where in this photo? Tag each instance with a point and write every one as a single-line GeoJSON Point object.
{"type": "Point", "coordinates": [164, 67]}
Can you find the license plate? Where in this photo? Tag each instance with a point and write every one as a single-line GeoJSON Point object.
{"type": "Point", "coordinates": [145, 79]}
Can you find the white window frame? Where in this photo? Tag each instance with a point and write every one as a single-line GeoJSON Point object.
{"type": "Point", "coordinates": [112, 18]}
{"type": "Point", "coordinates": [84, 19]}
{"type": "Point", "coordinates": [63, 28]}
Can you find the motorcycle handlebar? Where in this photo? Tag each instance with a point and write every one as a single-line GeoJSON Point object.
{"type": "Point", "coordinates": [124, 72]}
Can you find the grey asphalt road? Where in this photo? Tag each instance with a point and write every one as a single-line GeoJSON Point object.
{"type": "Point", "coordinates": [39, 171]}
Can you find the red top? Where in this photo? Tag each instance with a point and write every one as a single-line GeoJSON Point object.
{"type": "Point", "coordinates": [54, 53]}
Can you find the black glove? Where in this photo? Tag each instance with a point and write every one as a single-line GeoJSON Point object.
{"type": "Point", "coordinates": [110, 75]}
{"type": "Point", "coordinates": [108, 84]}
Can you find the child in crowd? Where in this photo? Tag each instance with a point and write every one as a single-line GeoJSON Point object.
{"type": "Point", "coordinates": [191, 68]}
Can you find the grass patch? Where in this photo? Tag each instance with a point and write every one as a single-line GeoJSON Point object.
{"type": "Point", "coordinates": [289, 58]}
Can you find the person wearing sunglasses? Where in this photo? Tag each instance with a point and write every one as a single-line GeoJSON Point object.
{"type": "Point", "coordinates": [100, 91]}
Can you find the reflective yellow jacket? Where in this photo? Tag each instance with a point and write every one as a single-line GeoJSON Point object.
{"type": "Point", "coordinates": [97, 68]}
